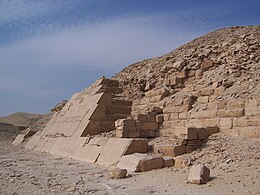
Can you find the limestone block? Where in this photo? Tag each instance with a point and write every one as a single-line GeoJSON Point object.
{"type": "Point", "coordinates": [87, 153]}
{"type": "Point", "coordinates": [194, 123]}
{"type": "Point", "coordinates": [204, 114]}
{"type": "Point", "coordinates": [117, 173]}
{"type": "Point", "coordinates": [211, 122]}
{"type": "Point", "coordinates": [118, 109]}
{"type": "Point", "coordinates": [148, 134]}
{"type": "Point", "coordinates": [236, 104]}
{"type": "Point", "coordinates": [182, 161]}
{"type": "Point", "coordinates": [175, 81]}
{"type": "Point", "coordinates": [252, 110]}
{"type": "Point", "coordinates": [242, 122]}
{"type": "Point", "coordinates": [126, 124]}
{"type": "Point", "coordinates": [18, 140]}
{"type": "Point", "coordinates": [219, 90]}
{"type": "Point", "coordinates": [169, 150]}
{"type": "Point", "coordinates": [142, 117]}
{"type": "Point", "coordinates": [199, 174]}
{"type": "Point", "coordinates": [33, 141]}
{"type": "Point", "coordinates": [203, 99]}
{"type": "Point", "coordinates": [173, 116]}
{"type": "Point", "coordinates": [140, 162]}
{"type": "Point", "coordinates": [250, 132]}
{"type": "Point", "coordinates": [212, 130]}
{"type": "Point", "coordinates": [117, 147]}
{"type": "Point", "coordinates": [226, 122]}
{"type": "Point", "coordinates": [207, 64]}
{"type": "Point", "coordinates": [176, 123]}
{"type": "Point", "coordinates": [230, 113]}
{"type": "Point", "coordinates": [48, 144]}
{"type": "Point", "coordinates": [206, 92]}
{"type": "Point", "coordinates": [168, 161]}
{"type": "Point", "coordinates": [150, 126]}
{"type": "Point", "coordinates": [184, 115]}
{"type": "Point", "coordinates": [121, 134]}
{"type": "Point", "coordinates": [202, 134]}
{"type": "Point", "coordinates": [176, 109]}
{"type": "Point", "coordinates": [134, 134]}
{"type": "Point", "coordinates": [151, 117]}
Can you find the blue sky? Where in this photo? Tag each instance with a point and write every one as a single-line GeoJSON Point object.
{"type": "Point", "coordinates": [53, 48]}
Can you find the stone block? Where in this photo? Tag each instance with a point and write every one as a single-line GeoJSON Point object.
{"type": "Point", "coordinates": [18, 140]}
{"type": "Point", "coordinates": [212, 130]}
{"type": "Point", "coordinates": [207, 64]}
{"type": "Point", "coordinates": [204, 114]}
{"type": "Point", "coordinates": [175, 81]}
{"type": "Point", "coordinates": [219, 90]}
{"type": "Point", "coordinates": [173, 116]}
{"type": "Point", "coordinates": [117, 147]}
{"type": "Point", "coordinates": [226, 122]}
{"type": "Point", "coordinates": [151, 118]}
{"type": "Point", "coordinates": [252, 110]}
{"type": "Point", "coordinates": [199, 174]}
{"type": "Point", "coordinates": [182, 161]}
{"type": "Point", "coordinates": [117, 173]}
{"type": "Point", "coordinates": [121, 134]}
{"type": "Point", "coordinates": [184, 115]}
{"type": "Point", "coordinates": [169, 150]}
{"type": "Point", "coordinates": [32, 143]}
{"type": "Point", "coordinates": [211, 122]}
{"type": "Point", "coordinates": [246, 121]}
{"type": "Point", "coordinates": [133, 134]}
{"type": "Point", "coordinates": [168, 161]}
{"type": "Point", "coordinates": [140, 162]}
{"type": "Point", "coordinates": [206, 92]}
{"type": "Point", "coordinates": [203, 99]}
{"type": "Point", "coordinates": [88, 153]}
{"type": "Point", "coordinates": [202, 134]}
{"type": "Point", "coordinates": [142, 117]}
{"type": "Point", "coordinates": [230, 113]}
{"type": "Point", "coordinates": [149, 126]}
{"type": "Point", "coordinates": [250, 132]}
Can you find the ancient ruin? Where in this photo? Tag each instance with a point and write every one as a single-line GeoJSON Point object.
{"type": "Point", "coordinates": [158, 109]}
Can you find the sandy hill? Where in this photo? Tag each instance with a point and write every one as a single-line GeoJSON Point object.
{"type": "Point", "coordinates": [21, 119]}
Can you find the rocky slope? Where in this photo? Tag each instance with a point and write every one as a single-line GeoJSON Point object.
{"type": "Point", "coordinates": [233, 53]}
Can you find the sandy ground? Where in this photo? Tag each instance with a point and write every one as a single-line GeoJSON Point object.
{"type": "Point", "coordinates": [31, 172]}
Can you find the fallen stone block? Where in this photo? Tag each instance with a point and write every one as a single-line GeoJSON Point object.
{"type": "Point", "coordinates": [117, 147]}
{"type": "Point", "coordinates": [182, 161]}
{"type": "Point", "coordinates": [117, 173]}
{"type": "Point", "coordinates": [169, 150]}
{"type": "Point", "coordinates": [199, 174]}
{"type": "Point", "coordinates": [168, 161]}
{"type": "Point", "coordinates": [140, 162]}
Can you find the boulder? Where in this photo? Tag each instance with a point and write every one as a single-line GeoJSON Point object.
{"type": "Point", "coordinates": [199, 174]}
{"type": "Point", "coordinates": [140, 162]}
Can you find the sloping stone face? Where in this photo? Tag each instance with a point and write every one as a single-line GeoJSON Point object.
{"type": "Point", "coordinates": [90, 112]}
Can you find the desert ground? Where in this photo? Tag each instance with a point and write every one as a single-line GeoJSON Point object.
{"type": "Point", "coordinates": [234, 164]}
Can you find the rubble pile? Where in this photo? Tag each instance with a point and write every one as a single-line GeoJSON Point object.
{"type": "Point", "coordinates": [212, 81]}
